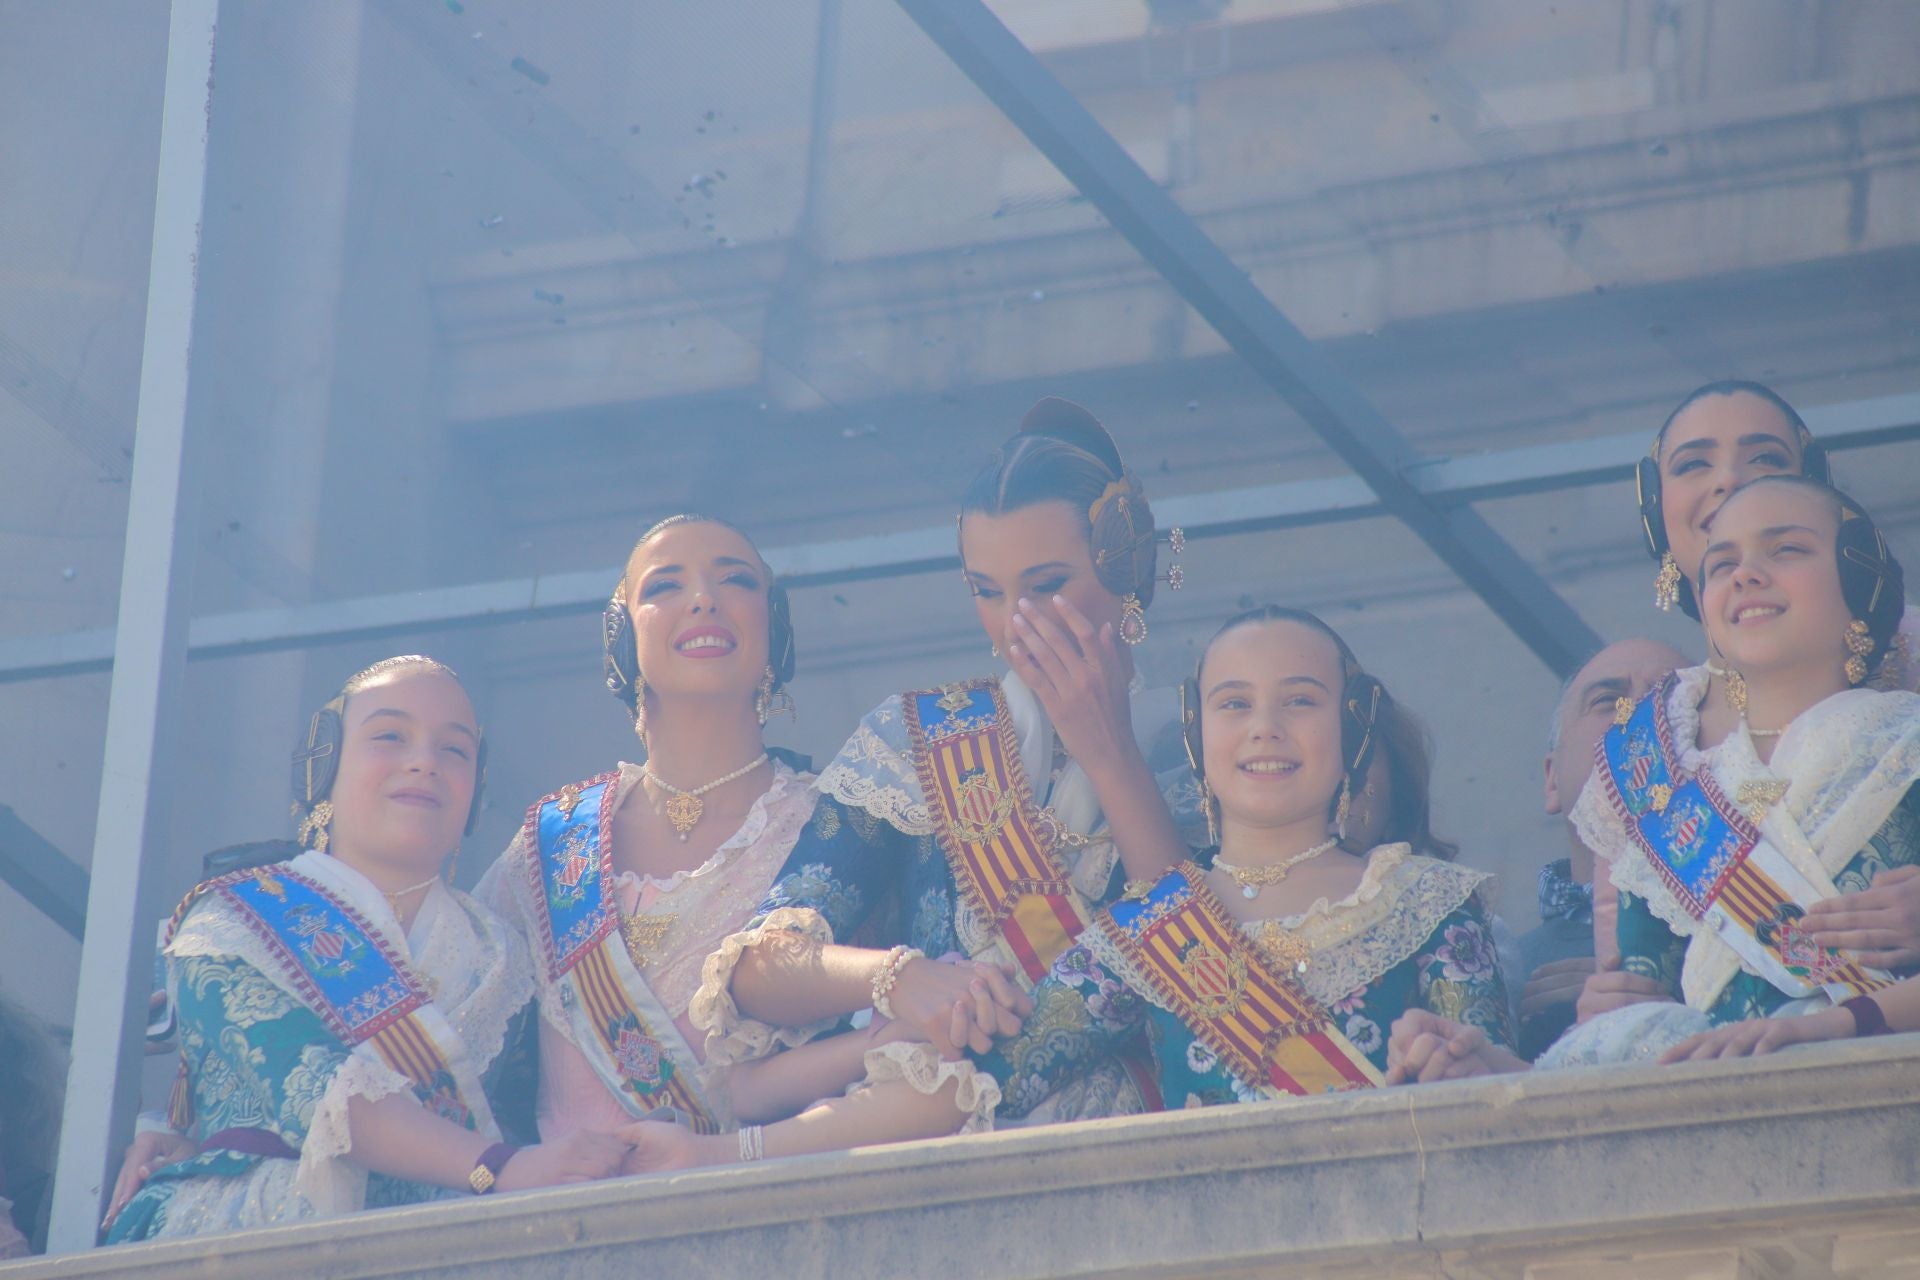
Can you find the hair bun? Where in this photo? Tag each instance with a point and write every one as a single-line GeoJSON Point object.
{"type": "Point", "coordinates": [1072, 424]}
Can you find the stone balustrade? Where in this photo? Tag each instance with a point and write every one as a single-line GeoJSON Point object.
{"type": "Point", "coordinates": [1791, 1167]}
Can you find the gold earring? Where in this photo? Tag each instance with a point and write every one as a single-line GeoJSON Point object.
{"type": "Point", "coordinates": [1666, 583]}
{"type": "Point", "coordinates": [763, 696]}
{"type": "Point", "coordinates": [1211, 805]}
{"type": "Point", "coordinates": [1859, 645]}
{"type": "Point", "coordinates": [1736, 691]}
{"type": "Point", "coordinates": [1344, 808]}
{"type": "Point", "coordinates": [1133, 620]}
{"type": "Point", "coordinates": [996, 651]}
{"type": "Point", "coordinates": [313, 831]}
{"type": "Point", "coordinates": [640, 709]}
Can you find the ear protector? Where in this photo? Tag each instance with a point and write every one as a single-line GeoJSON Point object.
{"type": "Point", "coordinates": [620, 653]}
{"type": "Point", "coordinates": [1653, 521]}
{"type": "Point", "coordinates": [316, 763]}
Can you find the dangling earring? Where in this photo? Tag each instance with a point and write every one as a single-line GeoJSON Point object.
{"type": "Point", "coordinates": [1666, 583]}
{"type": "Point", "coordinates": [1344, 807]}
{"type": "Point", "coordinates": [1859, 644]}
{"type": "Point", "coordinates": [313, 833]}
{"type": "Point", "coordinates": [763, 696]}
{"type": "Point", "coordinates": [1211, 805]}
{"type": "Point", "coordinates": [996, 651]}
{"type": "Point", "coordinates": [1133, 620]}
{"type": "Point", "coordinates": [1176, 543]}
{"type": "Point", "coordinates": [640, 709]}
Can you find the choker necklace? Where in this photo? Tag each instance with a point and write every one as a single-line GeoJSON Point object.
{"type": "Point", "coordinates": [393, 899]}
{"type": "Point", "coordinates": [1252, 879]}
{"type": "Point", "coordinates": [683, 810]}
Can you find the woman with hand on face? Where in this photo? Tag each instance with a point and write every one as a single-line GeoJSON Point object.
{"type": "Point", "coordinates": [996, 813]}
{"type": "Point", "coordinates": [343, 1016]}
{"type": "Point", "coordinates": [1272, 973]}
{"type": "Point", "coordinates": [1808, 800]}
{"type": "Point", "coordinates": [623, 883]}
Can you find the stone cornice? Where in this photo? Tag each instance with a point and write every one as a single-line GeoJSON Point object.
{"type": "Point", "coordinates": [1486, 1178]}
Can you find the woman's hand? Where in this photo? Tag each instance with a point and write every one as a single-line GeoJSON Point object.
{"type": "Point", "coordinates": [1079, 677]}
{"type": "Point", "coordinates": [1614, 988]}
{"type": "Point", "coordinates": [1762, 1035]}
{"type": "Point", "coordinates": [578, 1157]}
{"type": "Point", "coordinates": [149, 1152]}
{"type": "Point", "coordinates": [657, 1146]}
{"type": "Point", "coordinates": [1880, 925]}
{"type": "Point", "coordinates": [1556, 983]}
{"type": "Point", "coordinates": [956, 1007]}
{"type": "Point", "coordinates": [1424, 1047]}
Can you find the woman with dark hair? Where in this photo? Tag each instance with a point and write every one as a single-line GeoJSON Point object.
{"type": "Point", "coordinates": [32, 1070]}
{"type": "Point", "coordinates": [990, 815]}
{"type": "Point", "coordinates": [1722, 871]}
{"type": "Point", "coordinates": [1274, 971]}
{"type": "Point", "coordinates": [345, 1017]}
{"type": "Point", "coordinates": [623, 883]}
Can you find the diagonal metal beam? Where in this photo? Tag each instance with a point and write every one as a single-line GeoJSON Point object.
{"type": "Point", "coordinates": [41, 874]}
{"type": "Point", "coordinates": [1068, 135]}
{"type": "Point", "coordinates": [1446, 481]}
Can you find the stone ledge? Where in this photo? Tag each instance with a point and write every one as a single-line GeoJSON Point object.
{"type": "Point", "coordinates": [1807, 1164]}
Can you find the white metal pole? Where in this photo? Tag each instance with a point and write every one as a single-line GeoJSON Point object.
{"type": "Point", "coordinates": [150, 647]}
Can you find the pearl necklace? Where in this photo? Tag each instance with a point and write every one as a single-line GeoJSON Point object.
{"type": "Point", "coordinates": [1252, 879]}
{"type": "Point", "coordinates": [683, 810]}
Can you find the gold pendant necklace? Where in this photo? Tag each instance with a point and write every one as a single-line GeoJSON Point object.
{"type": "Point", "coordinates": [644, 934]}
{"type": "Point", "coordinates": [1253, 879]}
{"type": "Point", "coordinates": [1286, 951]}
{"type": "Point", "coordinates": [684, 806]}
{"type": "Point", "coordinates": [393, 899]}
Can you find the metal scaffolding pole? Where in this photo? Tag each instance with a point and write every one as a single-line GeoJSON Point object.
{"type": "Point", "coordinates": [150, 650]}
{"type": "Point", "coordinates": [1163, 233]}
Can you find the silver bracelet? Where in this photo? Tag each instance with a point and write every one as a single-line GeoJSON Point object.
{"type": "Point", "coordinates": [753, 1143]}
{"type": "Point", "coordinates": [888, 974]}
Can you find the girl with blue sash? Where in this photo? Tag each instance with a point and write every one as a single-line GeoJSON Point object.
{"type": "Point", "coordinates": [622, 884]}
{"type": "Point", "coordinates": [967, 831]}
{"type": "Point", "coordinates": [1719, 437]}
{"type": "Point", "coordinates": [1722, 862]}
{"type": "Point", "coordinates": [1268, 969]}
{"type": "Point", "coordinates": [345, 1017]}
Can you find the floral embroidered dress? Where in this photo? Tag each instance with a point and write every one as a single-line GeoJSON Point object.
{"type": "Point", "coordinates": [271, 1080]}
{"type": "Point", "coordinates": [1841, 806]}
{"type": "Point", "coordinates": [669, 927]}
{"type": "Point", "coordinates": [1413, 934]}
{"type": "Point", "coordinates": [869, 870]}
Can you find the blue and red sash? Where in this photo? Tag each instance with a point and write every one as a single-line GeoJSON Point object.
{"type": "Point", "coordinates": [1710, 855]}
{"type": "Point", "coordinates": [347, 974]}
{"type": "Point", "coordinates": [1273, 1035]}
{"type": "Point", "coordinates": [619, 1024]}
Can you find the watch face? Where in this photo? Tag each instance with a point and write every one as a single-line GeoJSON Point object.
{"type": "Point", "coordinates": [481, 1180]}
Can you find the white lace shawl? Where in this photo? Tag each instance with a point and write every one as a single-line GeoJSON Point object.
{"type": "Point", "coordinates": [1848, 761]}
{"type": "Point", "coordinates": [875, 772]}
{"type": "Point", "coordinates": [478, 969]}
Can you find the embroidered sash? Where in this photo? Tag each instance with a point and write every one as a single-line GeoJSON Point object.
{"type": "Point", "coordinates": [619, 1024]}
{"type": "Point", "coordinates": [1711, 857]}
{"type": "Point", "coordinates": [1269, 1032]}
{"type": "Point", "coordinates": [347, 973]}
{"type": "Point", "coordinates": [967, 755]}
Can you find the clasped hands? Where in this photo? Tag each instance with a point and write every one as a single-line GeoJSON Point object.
{"type": "Point", "coordinates": [956, 1004]}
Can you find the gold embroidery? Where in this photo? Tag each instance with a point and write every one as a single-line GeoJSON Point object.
{"type": "Point", "coordinates": [980, 809]}
{"type": "Point", "coordinates": [1218, 981]}
{"type": "Point", "coordinates": [644, 934]}
{"type": "Point", "coordinates": [568, 800]}
{"type": "Point", "coordinates": [954, 699]}
{"type": "Point", "coordinates": [1659, 795]}
{"type": "Point", "coordinates": [1284, 951]}
{"type": "Point", "coordinates": [1758, 796]}
{"type": "Point", "coordinates": [826, 822]}
{"type": "Point", "coordinates": [270, 885]}
{"type": "Point", "coordinates": [1622, 710]}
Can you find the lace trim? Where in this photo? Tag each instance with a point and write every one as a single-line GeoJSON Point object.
{"type": "Point", "coordinates": [731, 1035]}
{"type": "Point", "coordinates": [330, 1181]}
{"type": "Point", "coordinates": [1386, 927]}
{"type": "Point", "coordinates": [1684, 701]}
{"type": "Point", "coordinates": [926, 1072]}
{"type": "Point", "coordinates": [785, 783]}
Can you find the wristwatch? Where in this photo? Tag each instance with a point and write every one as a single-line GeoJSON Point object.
{"type": "Point", "coordinates": [487, 1171]}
